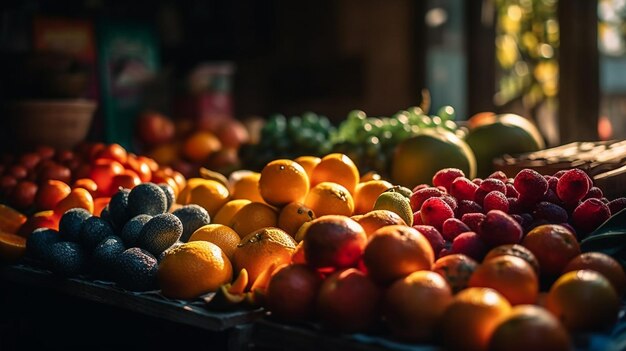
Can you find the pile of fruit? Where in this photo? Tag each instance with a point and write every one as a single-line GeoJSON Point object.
{"type": "Point", "coordinates": [465, 262]}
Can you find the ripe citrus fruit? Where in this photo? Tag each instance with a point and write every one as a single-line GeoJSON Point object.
{"type": "Point", "coordinates": [417, 159]}
{"type": "Point", "coordinates": [193, 269]}
{"type": "Point", "coordinates": [209, 194]}
{"type": "Point", "coordinates": [283, 181]}
{"type": "Point", "coordinates": [10, 219]}
{"type": "Point", "coordinates": [252, 217]}
{"type": "Point", "coordinates": [395, 251]}
{"type": "Point", "coordinates": [337, 168]}
{"type": "Point", "coordinates": [456, 269]}
{"type": "Point", "coordinates": [200, 145]}
{"type": "Point", "coordinates": [530, 327]}
{"type": "Point", "coordinates": [308, 163]}
{"type": "Point", "coordinates": [553, 245]}
{"type": "Point", "coordinates": [583, 300]}
{"type": "Point", "coordinates": [502, 134]}
{"type": "Point", "coordinates": [472, 317]}
{"type": "Point", "coordinates": [220, 235]}
{"type": "Point", "coordinates": [88, 184]}
{"type": "Point", "coordinates": [511, 276]}
{"type": "Point", "coordinates": [603, 264]}
{"type": "Point", "coordinates": [333, 242]}
{"type": "Point", "coordinates": [329, 198]}
{"type": "Point", "coordinates": [246, 186]}
{"type": "Point", "coordinates": [261, 249]}
{"type": "Point", "coordinates": [376, 219]}
{"type": "Point", "coordinates": [12, 247]}
{"type": "Point", "coordinates": [78, 197]}
{"type": "Point", "coordinates": [292, 291]}
{"type": "Point", "coordinates": [50, 193]}
{"type": "Point", "coordinates": [293, 216]}
{"type": "Point", "coordinates": [413, 306]}
{"type": "Point", "coordinates": [183, 194]}
{"type": "Point", "coordinates": [348, 301]}
{"type": "Point", "coordinates": [366, 194]}
{"type": "Point", "coordinates": [514, 250]}
{"type": "Point", "coordinates": [226, 213]}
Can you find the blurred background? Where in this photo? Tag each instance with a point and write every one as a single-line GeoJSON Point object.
{"type": "Point", "coordinates": [561, 64]}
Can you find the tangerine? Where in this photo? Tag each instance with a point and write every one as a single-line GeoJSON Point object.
{"type": "Point", "coordinates": [511, 276]}
{"type": "Point", "coordinates": [283, 181]}
{"type": "Point", "coordinates": [329, 198]}
{"type": "Point", "coordinates": [252, 217]}
{"type": "Point", "coordinates": [337, 168]}
{"type": "Point", "coordinates": [553, 245]}
{"type": "Point", "coordinates": [376, 219]}
{"type": "Point", "coordinates": [293, 216]}
{"type": "Point", "coordinates": [603, 264]}
{"type": "Point", "coordinates": [226, 213]}
{"type": "Point", "coordinates": [456, 269]}
{"type": "Point", "coordinates": [308, 163]}
{"type": "Point", "coordinates": [366, 193]}
{"type": "Point", "coordinates": [220, 235]}
{"type": "Point", "coordinates": [50, 193]}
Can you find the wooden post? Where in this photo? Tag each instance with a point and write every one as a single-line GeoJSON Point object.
{"type": "Point", "coordinates": [481, 56]}
{"type": "Point", "coordinates": [579, 82]}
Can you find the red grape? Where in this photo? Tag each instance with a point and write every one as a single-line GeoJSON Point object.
{"type": "Point", "coordinates": [488, 185]}
{"type": "Point", "coordinates": [417, 218]}
{"type": "Point", "coordinates": [496, 200]}
{"type": "Point", "coordinates": [435, 211]}
{"type": "Point", "coordinates": [510, 191]}
{"type": "Point", "coordinates": [551, 212]}
{"type": "Point", "coordinates": [589, 215]}
{"type": "Point", "coordinates": [452, 227]}
{"type": "Point", "coordinates": [451, 201]}
{"type": "Point", "coordinates": [433, 235]}
{"type": "Point", "coordinates": [418, 197]}
{"type": "Point", "coordinates": [463, 189]}
{"type": "Point", "coordinates": [573, 185]}
{"type": "Point", "coordinates": [470, 244]}
{"type": "Point", "coordinates": [594, 192]}
{"type": "Point", "coordinates": [446, 176]}
{"type": "Point", "coordinates": [467, 206]}
{"type": "Point", "coordinates": [530, 185]}
{"type": "Point", "coordinates": [498, 228]}
{"type": "Point", "coordinates": [419, 186]}
{"type": "Point", "coordinates": [473, 220]}
{"type": "Point", "coordinates": [477, 181]}
{"type": "Point", "coordinates": [499, 175]}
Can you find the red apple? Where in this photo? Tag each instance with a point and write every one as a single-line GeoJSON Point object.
{"type": "Point", "coordinates": [153, 128]}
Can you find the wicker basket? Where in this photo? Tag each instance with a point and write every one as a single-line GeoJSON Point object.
{"type": "Point", "coordinates": [57, 123]}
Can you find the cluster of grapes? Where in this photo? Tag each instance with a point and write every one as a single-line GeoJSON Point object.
{"type": "Point", "coordinates": [281, 137]}
{"type": "Point", "coordinates": [370, 141]}
{"type": "Point", "coordinates": [459, 215]}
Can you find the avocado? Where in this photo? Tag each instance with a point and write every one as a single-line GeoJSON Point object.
{"type": "Point", "coordinates": [104, 257]}
{"type": "Point", "coordinates": [93, 231]}
{"type": "Point", "coordinates": [118, 208]}
{"type": "Point", "coordinates": [66, 259]}
{"type": "Point", "coordinates": [161, 232]}
{"type": "Point", "coordinates": [169, 194]}
{"type": "Point", "coordinates": [146, 198]}
{"type": "Point", "coordinates": [39, 242]}
{"type": "Point", "coordinates": [193, 217]}
{"type": "Point", "coordinates": [136, 270]}
{"type": "Point", "coordinates": [71, 222]}
{"type": "Point", "coordinates": [132, 228]}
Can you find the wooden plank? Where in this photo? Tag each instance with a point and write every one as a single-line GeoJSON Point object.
{"type": "Point", "coordinates": [146, 303]}
{"type": "Point", "coordinates": [481, 56]}
{"type": "Point", "coordinates": [579, 72]}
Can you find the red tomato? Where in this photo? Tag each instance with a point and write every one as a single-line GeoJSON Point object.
{"type": "Point", "coordinates": [114, 152]}
{"type": "Point", "coordinates": [128, 180]}
{"type": "Point", "coordinates": [102, 172]}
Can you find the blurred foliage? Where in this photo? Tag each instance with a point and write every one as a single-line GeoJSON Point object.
{"type": "Point", "coordinates": [527, 42]}
{"type": "Point", "coordinates": [612, 27]}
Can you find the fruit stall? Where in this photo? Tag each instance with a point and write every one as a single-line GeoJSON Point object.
{"type": "Point", "coordinates": [143, 207]}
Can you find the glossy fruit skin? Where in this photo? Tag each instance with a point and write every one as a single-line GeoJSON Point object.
{"type": "Point", "coordinates": [292, 292]}
{"type": "Point", "coordinates": [589, 215]}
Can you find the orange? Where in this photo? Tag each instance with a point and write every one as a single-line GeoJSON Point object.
{"type": "Point", "coordinates": [395, 251]}
{"type": "Point", "coordinates": [78, 197]}
{"type": "Point", "coordinates": [308, 163]}
{"type": "Point", "coordinates": [583, 300]}
{"type": "Point", "coordinates": [99, 204]}
{"type": "Point", "coordinates": [140, 167]}
{"type": "Point", "coordinates": [530, 327]}
{"type": "Point", "coordinates": [292, 291]}
{"type": "Point", "coordinates": [102, 172]}
{"type": "Point", "coordinates": [553, 245]}
{"type": "Point", "coordinates": [209, 194]}
{"type": "Point", "coordinates": [511, 276]}
{"type": "Point", "coordinates": [261, 249]}
{"type": "Point", "coordinates": [337, 168]}
{"type": "Point", "coordinates": [283, 181]}
{"type": "Point", "coordinates": [329, 198]}
{"type": "Point", "coordinates": [193, 269]}
{"type": "Point", "coordinates": [43, 219]}
{"type": "Point", "coordinates": [366, 194]}
{"type": "Point", "coordinates": [183, 194]}
{"type": "Point", "coordinates": [374, 220]}
{"type": "Point", "coordinates": [333, 242]}
{"type": "Point", "coordinates": [10, 219]}
{"type": "Point", "coordinates": [603, 264]}
{"type": "Point", "coordinates": [88, 184]}
{"type": "Point", "coordinates": [218, 234]}
{"type": "Point", "coordinates": [127, 179]}
{"type": "Point", "coordinates": [225, 214]}
{"type": "Point", "coordinates": [514, 250]}
{"type": "Point", "coordinates": [293, 216]}
{"type": "Point", "coordinates": [200, 145]}
{"type": "Point", "coordinates": [247, 187]}
{"type": "Point", "coordinates": [456, 269]}
{"type": "Point", "coordinates": [472, 317]}
{"type": "Point", "coordinates": [114, 152]}
{"type": "Point", "coordinates": [371, 175]}
{"type": "Point", "coordinates": [12, 247]}
{"type": "Point", "coordinates": [414, 305]}
{"type": "Point", "coordinates": [50, 193]}
{"type": "Point", "coordinates": [252, 217]}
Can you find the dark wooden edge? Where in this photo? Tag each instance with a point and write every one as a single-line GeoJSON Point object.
{"type": "Point", "coordinates": [142, 303]}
